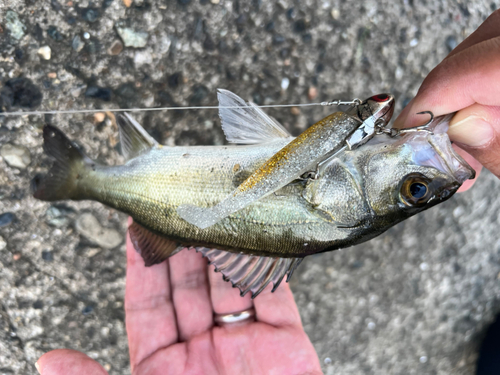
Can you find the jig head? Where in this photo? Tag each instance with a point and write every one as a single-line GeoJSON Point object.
{"type": "Point", "coordinates": [374, 113]}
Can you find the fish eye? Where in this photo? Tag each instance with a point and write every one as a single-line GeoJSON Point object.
{"type": "Point", "coordinates": [418, 190]}
{"type": "Point", "coordinates": [415, 190]}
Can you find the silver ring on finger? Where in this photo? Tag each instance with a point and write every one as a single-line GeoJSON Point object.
{"type": "Point", "coordinates": [247, 315]}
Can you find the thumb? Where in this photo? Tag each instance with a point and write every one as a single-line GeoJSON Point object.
{"type": "Point", "coordinates": [65, 361]}
{"type": "Point", "coordinates": [476, 129]}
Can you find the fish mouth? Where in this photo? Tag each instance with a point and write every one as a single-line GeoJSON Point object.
{"type": "Point", "coordinates": [448, 191]}
{"type": "Point", "coordinates": [450, 161]}
{"type": "Point", "coordinates": [453, 163]}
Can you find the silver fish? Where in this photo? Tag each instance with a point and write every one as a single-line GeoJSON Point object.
{"type": "Point", "coordinates": [357, 195]}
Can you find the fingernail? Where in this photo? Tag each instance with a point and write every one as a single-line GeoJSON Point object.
{"type": "Point", "coordinates": [37, 367]}
{"type": "Point", "coordinates": [472, 131]}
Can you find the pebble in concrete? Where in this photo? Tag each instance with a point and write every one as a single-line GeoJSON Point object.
{"type": "Point", "coordinates": [55, 34]}
{"type": "Point", "coordinates": [47, 256]}
{"type": "Point", "coordinates": [77, 43]}
{"type": "Point", "coordinates": [14, 25]}
{"type": "Point", "coordinates": [90, 228]}
{"type": "Point", "coordinates": [16, 156]}
{"type": "Point", "coordinates": [58, 216]}
{"type": "Point", "coordinates": [97, 92]}
{"type": "Point", "coordinates": [45, 52]}
{"type": "Point", "coordinates": [3, 244]}
{"type": "Point", "coordinates": [132, 38]}
{"type": "Point", "coordinates": [115, 48]}
{"type": "Point", "coordinates": [6, 218]}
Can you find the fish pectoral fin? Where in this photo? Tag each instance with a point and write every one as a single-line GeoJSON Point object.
{"type": "Point", "coordinates": [247, 124]}
{"type": "Point", "coordinates": [250, 273]}
{"type": "Point", "coordinates": [133, 138]}
{"type": "Point", "coordinates": [153, 248]}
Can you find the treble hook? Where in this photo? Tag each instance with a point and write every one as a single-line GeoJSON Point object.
{"type": "Point", "coordinates": [428, 122]}
{"type": "Point", "coordinates": [395, 132]}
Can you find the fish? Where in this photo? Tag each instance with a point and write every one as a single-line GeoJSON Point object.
{"type": "Point", "coordinates": [358, 194]}
{"type": "Point", "coordinates": [311, 148]}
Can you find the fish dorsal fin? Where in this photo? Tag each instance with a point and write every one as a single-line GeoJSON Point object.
{"type": "Point", "coordinates": [133, 138]}
{"type": "Point", "coordinates": [153, 248]}
{"type": "Point", "coordinates": [247, 124]}
{"type": "Point", "coordinates": [250, 273]}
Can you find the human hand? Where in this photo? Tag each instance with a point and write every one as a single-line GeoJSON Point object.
{"type": "Point", "coordinates": [467, 82]}
{"type": "Point", "coordinates": [170, 325]}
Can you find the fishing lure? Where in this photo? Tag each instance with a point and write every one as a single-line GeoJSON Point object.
{"type": "Point", "coordinates": [308, 152]}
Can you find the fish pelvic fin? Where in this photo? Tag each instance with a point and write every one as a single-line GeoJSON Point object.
{"type": "Point", "coordinates": [153, 248]}
{"type": "Point", "coordinates": [250, 273]}
{"type": "Point", "coordinates": [70, 164]}
{"type": "Point", "coordinates": [199, 216]}
{"type": "Point", "coordinates": [133, 138]}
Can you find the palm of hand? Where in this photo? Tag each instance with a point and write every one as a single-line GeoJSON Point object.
{"type": "Point", "coordinates": [254, 348]}
{"type": "Point", "coordinates": [169, 317]}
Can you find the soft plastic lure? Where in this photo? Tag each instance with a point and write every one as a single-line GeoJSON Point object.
{"type": "Point", "coordinates": [306, 153]}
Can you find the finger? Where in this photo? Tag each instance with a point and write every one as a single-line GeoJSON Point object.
{"type": "Point", "coordinates": [489, 29]}
{"type": "Point", "coordinates": [149, 312]}
{"type": "Point", "coordinates": [65, 361]}
{"type": "Point", "coordinates": [225, 298]}
{"type": "Point", "coordinates": [279, 308]}
{"type": "Point", "coordinates": [466, 78]}
{"type": "Point", "coordinates": [476, 129]}
{"type": "Point", "coordinates": [190, 293]}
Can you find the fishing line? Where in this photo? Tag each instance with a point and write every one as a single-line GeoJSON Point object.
{"type": "Point", "coordinates": [54, 112]}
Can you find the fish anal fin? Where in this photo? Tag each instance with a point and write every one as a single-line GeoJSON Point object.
{"type": "Point", "coordinates": [250, 273]}
{"type": "Point", "coordinates": [247, 124]}
{"type": "Point", "coordinates": [133, 138]}
{"type": "Point", "coordinates": [153, 248]}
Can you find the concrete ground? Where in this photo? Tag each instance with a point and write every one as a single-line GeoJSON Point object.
{"type": "Point", "coordinates": [415, 300]}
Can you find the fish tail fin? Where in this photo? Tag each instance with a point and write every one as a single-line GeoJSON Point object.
{"type": "Point", "coordinates": [61, 182]}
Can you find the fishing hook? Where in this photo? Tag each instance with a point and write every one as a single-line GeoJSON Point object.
{"type": "Point", "coordinates": [395, 132]}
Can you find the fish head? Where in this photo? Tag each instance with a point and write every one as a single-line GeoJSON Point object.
{"type": "Point", "coordinates": [411, 173]}
{"type": "Point", "coordinates": [378, 107]}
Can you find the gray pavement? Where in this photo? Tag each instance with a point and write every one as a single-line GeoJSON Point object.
{"type": "Point", "coordinates": [415, 300]}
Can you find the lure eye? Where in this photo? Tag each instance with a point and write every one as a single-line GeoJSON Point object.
{"type": "Point", "coordinates": [381, 98]}
{"type": "Point", "coordinates": [415, 190]}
